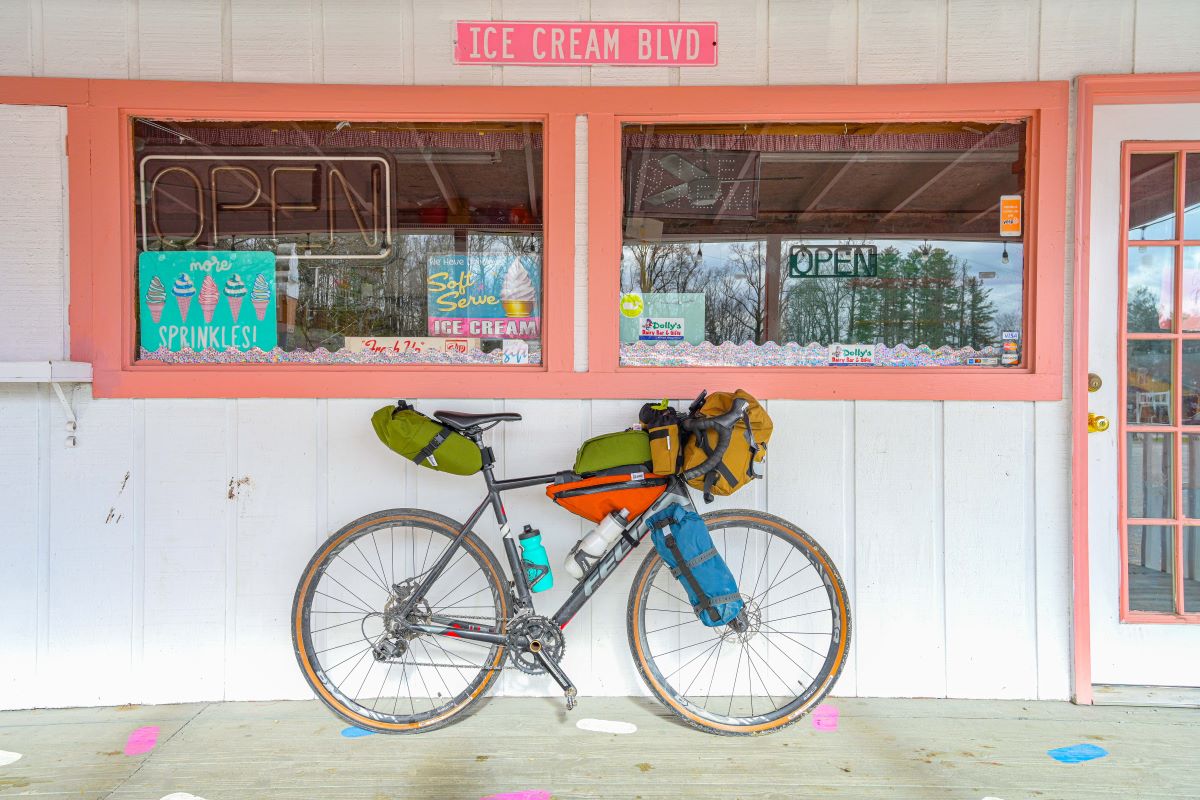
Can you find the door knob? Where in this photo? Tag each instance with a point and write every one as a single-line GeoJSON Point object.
{"type": "Point", "coordinates": [1097, 423]}
{"type": "Point", "coordinates": [1094, 382]}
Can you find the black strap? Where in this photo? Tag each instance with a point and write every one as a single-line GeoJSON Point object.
{"type": "Point", "coordinates": [632, 541]}
{"type": "Point", "coordinates": [704, 604]}
{"type": "Point", "coordinates": [433, 445]}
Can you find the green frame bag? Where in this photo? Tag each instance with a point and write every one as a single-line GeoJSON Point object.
{"type": "Point", "coordinates": [613, 450]}
{"type": "Point", "coordinates": [425, 441]}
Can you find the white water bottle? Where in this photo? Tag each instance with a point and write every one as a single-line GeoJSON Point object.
{"type": "Point", "coordinates": [595, 543]}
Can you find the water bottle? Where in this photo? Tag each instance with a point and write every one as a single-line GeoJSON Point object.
{"type": "Point", "coordinates": [536, 560]}
{"type": "Point", "coordinates": [595, 543]}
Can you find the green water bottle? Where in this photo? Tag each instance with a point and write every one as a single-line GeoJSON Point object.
{"type": "Point", "coordinates": [536, 560]}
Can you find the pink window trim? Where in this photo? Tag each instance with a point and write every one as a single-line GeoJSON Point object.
{"type": "Point", "coordinates": [102, 241]}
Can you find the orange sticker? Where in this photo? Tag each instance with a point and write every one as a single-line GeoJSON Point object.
{"type": "Point", "coordinates": [1010, 215]}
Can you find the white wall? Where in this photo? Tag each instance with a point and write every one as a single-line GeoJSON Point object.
{"type": "Point", "coordinates": [131, 571]}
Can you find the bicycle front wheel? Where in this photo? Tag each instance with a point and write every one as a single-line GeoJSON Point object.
{"type": "Point", "coordinates": [361, 659]}
{"type": "Point", "coordinates": [782, 659]}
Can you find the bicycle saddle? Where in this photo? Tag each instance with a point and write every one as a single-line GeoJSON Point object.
{"type": "Point", "coordinates": [462, 421]}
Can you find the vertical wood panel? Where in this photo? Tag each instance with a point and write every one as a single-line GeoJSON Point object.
{"type": "Point", "coordinates": [983, 45]}
{"type": "Point", "coordinates": [84, 38]}
{"type": "Point", "coordinates": [433, 29]}
{"type": "Point", "coordinates": [1084, 36]}
{"type": "Point", "coordinates": [1165, 36]}
{"type": "Point", "coordinates": [810, 483]}
{"type": "Point", "coordinates": [274, 40]}
{"type": "Point", "coordinates": [1052, 500]}
{"type": "Point", "coordinates": [545, 441]}
{"type": "Point", "coordinates": [32, 305]}
{"type": "Point", "coordinates": [991, 634]}
{"type": "Point", "coordinates": [164, 54]}
{"type": "Point", "coordinates": [813, 41]}
{"type": "Point", "coordinates": [90, 557]}
{"type": "Point", "coordinates": [276, 466]}
{"type": "Point", "coordinates": [20, 492]}
{"type": "Point", "coordinates": [365, 41]}
{"type": "Point", "coordinates": [633, 11]}
{"type": "Point", "coordinates": [898, 550]}
{"type": "Point", "coordinates": [364, 476]}
{"type": "Point", "coordinates": [582, 284]}
{"type": "Point", "coordinates": [16, 52]}
{"type": "Point", "coordinates": [901, 41]}
{"type": "Point", "coordinates": [742, 42]}
{"type": "Point", "coordinates": [184, 507]}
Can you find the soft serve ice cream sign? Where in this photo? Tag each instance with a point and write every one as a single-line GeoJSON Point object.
{"type": "Point", "coordinates": [206, 301]}
{"type": "Point", "coordinates": [484, 296]}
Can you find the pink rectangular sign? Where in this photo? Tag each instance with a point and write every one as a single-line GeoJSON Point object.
{"type": "Point", "coordinates": [631, 44]}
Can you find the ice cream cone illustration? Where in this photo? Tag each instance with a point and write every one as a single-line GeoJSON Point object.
{"type": "Point", "coordinates": [517, 295]}
{"type": "Point", "coordinates": [156, 298]}
{"type": "Point", "coordinates": [235, 293]}
{"type": "Point", "coordinates": [209, 296]}
{"type": "Point", "coordinates": [260, 296]}
{"type": "Point", "coordinates": [184, 290]}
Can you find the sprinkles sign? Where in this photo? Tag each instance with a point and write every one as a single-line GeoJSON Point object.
{"type": "Point", "coordinates": [206, 300]}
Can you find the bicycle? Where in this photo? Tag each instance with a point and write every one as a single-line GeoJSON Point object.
{"type": "Point", "coordinates": [449, 653]}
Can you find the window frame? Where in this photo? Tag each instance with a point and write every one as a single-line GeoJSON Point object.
{"type": "Point", "coordinates": [1177, 244]}
{"type": "Point", "coordinates": [1044, 107]}
{"type": "Point", "coordinates": [102, 237]}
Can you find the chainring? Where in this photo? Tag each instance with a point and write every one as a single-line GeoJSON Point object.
{"type": "Point", "coordinates": [526, 629]}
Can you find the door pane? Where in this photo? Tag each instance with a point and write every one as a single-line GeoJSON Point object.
{"type": "Point", "coordinates": [1190, 475]}
{"type": "Point", "coordinates": [1151, 568]}
{"type": "Point", "coordinates": [1152, 196]}
{"type": "Point", "coordinates": [1148, 459]}
{"type": "Point", "coordinates": [1148, 383]}
{"type": "Point", "coordinates": [1191, 289]}
{"type": "Point", "coordinates": [1191, 569]}
{"type": "Point", "coordinates": [1191, 198]}
{"type": "Point", "coordinates": [1191, 382]}
{"type": "Point", "coordinates": [1150, 289]}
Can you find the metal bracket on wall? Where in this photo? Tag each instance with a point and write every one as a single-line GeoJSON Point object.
{"type": "Point", "coordinates": [72, 422]}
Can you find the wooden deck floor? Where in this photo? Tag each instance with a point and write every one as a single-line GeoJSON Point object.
{"type": "Point", "coordinates": [896, 749]}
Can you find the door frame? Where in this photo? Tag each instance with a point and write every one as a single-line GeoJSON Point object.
{"type": "Point", "coordinates": [1093, 91]}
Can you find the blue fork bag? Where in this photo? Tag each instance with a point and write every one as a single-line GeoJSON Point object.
{"type": "Point", "coordinates": [684, 543]}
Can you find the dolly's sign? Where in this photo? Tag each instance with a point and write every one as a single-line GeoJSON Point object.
{"type": "Point", "coordinates": [630, 44]}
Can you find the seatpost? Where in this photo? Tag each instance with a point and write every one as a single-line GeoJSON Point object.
{"type": "Point", "coordinates": [515, 563]}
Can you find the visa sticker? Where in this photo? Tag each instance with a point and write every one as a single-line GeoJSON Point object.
{"type": "Point", "coordinates": [1010, 335]}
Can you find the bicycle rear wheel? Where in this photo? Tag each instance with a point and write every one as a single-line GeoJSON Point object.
{"type": "Point", "coordinates": [355, 652]}
{"type": "Point", "coordinates": [793, 645]}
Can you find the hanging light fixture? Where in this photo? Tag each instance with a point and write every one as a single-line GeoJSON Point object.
{"type": "Point", "coordinates": [1004, 255]}
{"type": "Point", "coordinates": [699, 251]}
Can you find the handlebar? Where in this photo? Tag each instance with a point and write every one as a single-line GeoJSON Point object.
{"type": "Point", "coordinates": [724, 424]}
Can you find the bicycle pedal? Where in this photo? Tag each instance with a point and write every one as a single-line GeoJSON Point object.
{"type": "Point", "coordinates": [571, 696]}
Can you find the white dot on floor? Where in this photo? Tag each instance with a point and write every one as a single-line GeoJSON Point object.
{"type": "Point", "coordinates": [181, 796]}
{"type": "Point", "coordinates": [605, 726]}
{"type": "Point", "coordinates": [7, 757]}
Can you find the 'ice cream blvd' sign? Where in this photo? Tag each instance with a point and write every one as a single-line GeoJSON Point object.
{"type": "Point", "coordinates": [628, 44]}
{"type": "Point", "coordinates": [484, 296]}
{"type": "Point", "coordinates": [207, 300]}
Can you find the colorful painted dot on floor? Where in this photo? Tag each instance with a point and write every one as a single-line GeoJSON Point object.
{"type": "Point", "coordinates": [529, 794]}
{"type": "Point", "coordinates": [825, 718]}
{"type": "Point", "coordinates": [1076, 753]}
{"type": "Point", "coordinates": [605, 726]}
{"type": "Point", "coordinates": [141, 741]}
{"type": "Point", "coordinates": [354, 732]}
{"type": "Point", "coordinates": [7, 757]}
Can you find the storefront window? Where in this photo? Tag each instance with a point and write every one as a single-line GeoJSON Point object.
{"type": "Point", "coordinates": [823, 244]}
{"type": "Point", "coordinates": [339, 242]}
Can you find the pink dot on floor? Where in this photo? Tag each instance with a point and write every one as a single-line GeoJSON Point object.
{"type": "Point", "coordinates": [825, 718]}
{"type": "Point", "coordinates": [141, 741]}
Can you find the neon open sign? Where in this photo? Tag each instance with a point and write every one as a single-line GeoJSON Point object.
{"type": "Point", "coordinates": [839, 261]}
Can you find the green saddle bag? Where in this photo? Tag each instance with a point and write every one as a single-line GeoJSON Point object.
{"type": "Point", "coordinates": [619, 449]}
{"type": "Point", "coordinates": [425, 441]}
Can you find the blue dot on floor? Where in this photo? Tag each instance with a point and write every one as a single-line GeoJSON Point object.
{"type": "Point", "coordinates": [354, 732]}
{"type": "Point", "coordinates": [1077, 753]}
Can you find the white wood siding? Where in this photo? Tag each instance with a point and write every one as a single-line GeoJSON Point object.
{"type": "Point", "coordinates": [950, 521]}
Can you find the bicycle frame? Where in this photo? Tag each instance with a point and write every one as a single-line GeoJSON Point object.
{"type": "Point", "coordinates": [677, 492]}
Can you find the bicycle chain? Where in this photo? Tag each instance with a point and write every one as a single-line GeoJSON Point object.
{"type": "Point", "coordinates": [456, 666]}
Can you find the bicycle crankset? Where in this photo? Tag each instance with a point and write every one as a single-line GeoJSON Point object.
{"type": "Point", "coordinates": [536, 646]}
